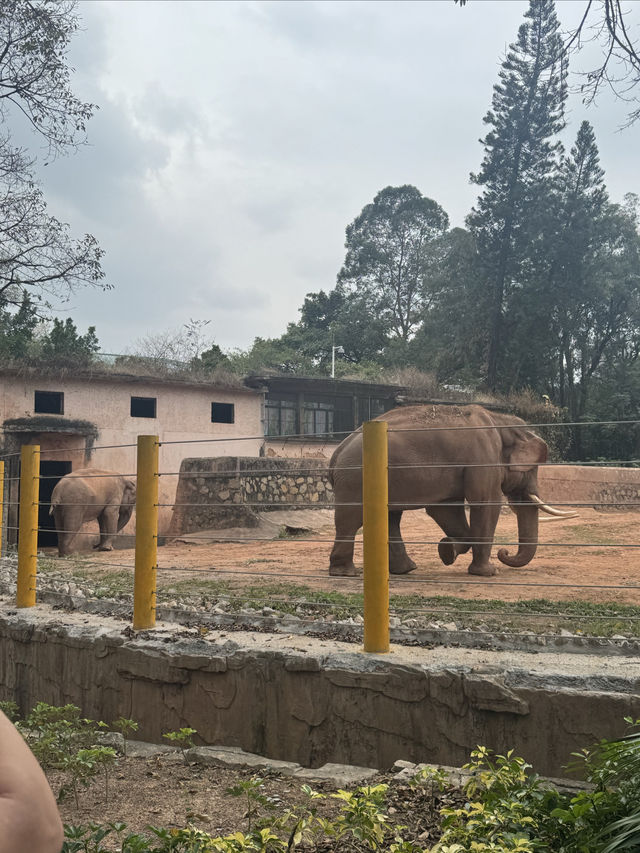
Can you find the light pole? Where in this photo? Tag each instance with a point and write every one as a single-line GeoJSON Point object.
{"type": "Point", "coordinates": [334, 350]}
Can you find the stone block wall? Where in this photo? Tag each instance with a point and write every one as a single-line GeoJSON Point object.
{"type": "Point", "coordinates": [228, 491]}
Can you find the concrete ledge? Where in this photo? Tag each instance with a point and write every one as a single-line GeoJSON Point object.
{"type": "Point", "coordinates": [312, 702]}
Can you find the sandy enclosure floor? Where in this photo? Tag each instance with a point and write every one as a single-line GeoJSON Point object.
{"type": "Point", "coordinates": [590, 557]}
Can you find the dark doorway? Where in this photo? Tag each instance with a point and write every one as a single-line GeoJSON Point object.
{"type": "Point", "coordinates": [50, 473]}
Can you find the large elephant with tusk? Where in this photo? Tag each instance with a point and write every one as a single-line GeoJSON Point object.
{"type": "Point", "coordinates": [444, 458]}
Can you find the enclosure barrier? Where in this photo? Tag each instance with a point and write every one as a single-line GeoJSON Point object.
{"type": "Point", "coordinates": [146, 561]}
{"type": "Point", "coordinates": [1, 503]}
{"type": "Point", "coordinates": [28, 532]}
{"type": "Point", "coordinates": [375, 535]}
{"type": "Point", "coordinates": [375, 541]}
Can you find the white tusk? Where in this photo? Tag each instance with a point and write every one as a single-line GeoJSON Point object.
{"type": "Point", "coordinates": [546, 518]}
{"type": "Point", "coordinates": [559, 513]}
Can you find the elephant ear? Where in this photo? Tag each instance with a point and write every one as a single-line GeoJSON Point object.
{"type": "Point", "coordinates": [129, 494]}
{"type": "Point", "coordinates": [127, 504]}
{"type": "Point", "coordinates": [523, 450]}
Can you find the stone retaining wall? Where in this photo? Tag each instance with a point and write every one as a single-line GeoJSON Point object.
{"type": "Point", "coordinates": [227, 491]}
{"type": "Point", "coordinates": [312, 701]}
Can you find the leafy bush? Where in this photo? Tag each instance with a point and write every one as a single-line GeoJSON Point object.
{"type": "Point", "coordinates": [509, 809]}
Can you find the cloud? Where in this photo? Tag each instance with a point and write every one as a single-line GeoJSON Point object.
{"type": "Point", "coordinates": [236, 140]}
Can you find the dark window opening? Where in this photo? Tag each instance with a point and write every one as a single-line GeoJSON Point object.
{"type": "Point", "coordinates": [318, 418]}
{"type": "Point", "coordinates": [49, 402]}
{"type": "Point", "coordinates": [371, 407]}
{"type": "Point", "coordinates": [222, 413]}
{"type": "Point", "coordinates": [281, 415]}
{"type": "Point", "coordinates": [50, 473]}
{"type": "Point", "coordinates": [143, 407]}
{"type": "Point", "coordinates": [327, 416]}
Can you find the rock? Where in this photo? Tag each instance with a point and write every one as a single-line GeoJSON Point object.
{"type": "Point", "coordinates": [233, 756]}
{"type": "Point", "coordinates": [341, 775]}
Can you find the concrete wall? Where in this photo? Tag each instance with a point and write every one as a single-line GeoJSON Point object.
{"type": "Point", "coordinates": [183, 414]}
{"type": "Point", "coordinates": [223, 492]}
{"type": "Point", "coordinates": [320, 701]}
{"type": "Point", "coordinates": [293, 448]}
{"type": "Point", "coordinates": [601, 487]}
{"type": "Point", "coordinates": [226, 492]}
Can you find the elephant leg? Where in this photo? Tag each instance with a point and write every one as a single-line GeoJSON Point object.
{"type": "Point", "coordinates": [108, 521]}
{"type": "Point", "coordinates": [348, 521]}
{"type": "Point", "coordinates": [68, 520]}
{"type": "Point", "coordinates": [453, 521]}
{"type": "Point", "coordinates": [483, 525]}
{"type": "Point", "coordinates": [399, 561]}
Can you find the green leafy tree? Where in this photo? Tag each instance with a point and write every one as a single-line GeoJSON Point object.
{"type": "Point", "coordinates": [210, 359]}
{"type": "Point", "coordinates": [270, 355]}
{"type": "Point", "coordinates": [390, 253]}
{"type": "Point", "coordinates": [594, 274]}
{"type": "Point", "coordinates": [337, 318]}
{"type": "Point", "coordinates": [607, 23]}
{"type": "Point", "coordinates": [451, 339]}
{"type": "Point", "coordinates": [516, 175]}
{"type": "Point", "coordinates": [64, 346]}
{"type": "Point", "coordinates": [17, 328]}
{"type": "Point", "coordinates": [37, 251]}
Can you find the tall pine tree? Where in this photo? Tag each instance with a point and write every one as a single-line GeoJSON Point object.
{"type": "Point", "coordinates": [521, 154]}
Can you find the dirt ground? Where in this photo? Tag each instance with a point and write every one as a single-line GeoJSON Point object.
{"type": "Point", "coordinates": [165, 792]}
{"type": "Point", "coordinates": [594, 557]}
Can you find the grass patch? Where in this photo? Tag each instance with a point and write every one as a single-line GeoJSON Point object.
{"type": "Point", "coordinates": [585, 534]}
{"type": "Point", "coordinates": [538, 615]}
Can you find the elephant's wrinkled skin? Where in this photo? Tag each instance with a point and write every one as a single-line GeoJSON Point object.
{"type": "Point", "coordinates": [482, 455]}
{"type": "Point", "coordinates": [90, 493]}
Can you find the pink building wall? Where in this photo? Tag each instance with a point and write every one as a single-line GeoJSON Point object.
{"type": "Point", "coordinates": [183, 414]}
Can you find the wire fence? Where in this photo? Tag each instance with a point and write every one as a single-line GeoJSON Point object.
{"type": "Point", "coordinates": [212, 506]}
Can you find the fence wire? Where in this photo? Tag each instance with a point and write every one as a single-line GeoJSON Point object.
{"type": "Point", "coordinates": [319, 472]}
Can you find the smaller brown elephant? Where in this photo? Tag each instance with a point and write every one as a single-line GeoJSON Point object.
{"type": "Point", "coordinates": [90, 493]}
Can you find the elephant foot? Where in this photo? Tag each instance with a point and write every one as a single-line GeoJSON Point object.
{"type": "Point", "coordinates": [486, 570]}
{"type": "Point", "coordinates": [105, 547]}
{"type": "Point", "coordinates": [402, 568]}
{"type": "Point", "coordinates": [348, 571]}
{"type": "Point", "coordinates": [447, 551]}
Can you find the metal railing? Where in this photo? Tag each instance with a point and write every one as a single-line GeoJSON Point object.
{"type": "Point", "coordinates": [376, 539]}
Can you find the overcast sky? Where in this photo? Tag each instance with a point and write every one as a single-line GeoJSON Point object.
{"type": "Point", "coordinates": [236, 140]}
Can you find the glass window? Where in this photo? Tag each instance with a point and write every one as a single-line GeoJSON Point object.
{"type": "Point", "coordinates": [143, 407]}
{"type": "Point", "coordinates": [281, 415]}
{"type": "Point", "coordinates": [318, 417]}
{"type": "Point", "coordinates": [222, 413]}
{"type": "Point", "coordinates": [49, 402]}
{"type": "Point", "coordinates": [379, 407]}
{"type": "Point", "coordinates": [371, 407]}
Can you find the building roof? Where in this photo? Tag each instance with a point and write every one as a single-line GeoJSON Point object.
{"type": "Point", "coordinates": [100, 373]}
{"type": "Point", "coordinates": [324, 385]}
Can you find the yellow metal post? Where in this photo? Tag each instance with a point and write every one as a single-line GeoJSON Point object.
{"type": "Point", "coordinates": [144, 584]}
{"type": "Point", "coordinates": [375, 533]}
{"type": "Point", "coordinates": [28, 525]}
{"type": "Point", "coordinates": [1, 503]}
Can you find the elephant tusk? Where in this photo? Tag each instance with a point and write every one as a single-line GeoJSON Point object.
{"type": "Point", "coordinates": [546, 518]}
{"type": "Point", "coordinates": [559, 513]}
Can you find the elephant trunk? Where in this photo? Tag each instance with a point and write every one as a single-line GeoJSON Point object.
{"type": "Point", "coordinates": [527, 537]}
